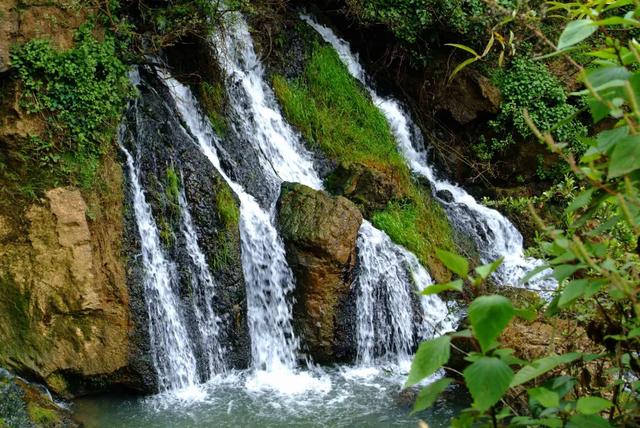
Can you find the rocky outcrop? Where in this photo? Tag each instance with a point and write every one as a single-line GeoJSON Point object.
{"type": "Point", "coordinates": [64, 315]}
{"type": "Point", "coordinates": [320, 234]}
{"type": "Point", "coordinates": [24, 404]}
{"type": "Point", "coordinates": [23, 20]}
{"type": "Point", "coordinates": [369, 188]}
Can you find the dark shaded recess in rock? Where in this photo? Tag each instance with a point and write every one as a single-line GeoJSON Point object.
{"type": "Point", "coordinates": [160, 144]}
{"type": "Point", "coordinates": [320, 234]}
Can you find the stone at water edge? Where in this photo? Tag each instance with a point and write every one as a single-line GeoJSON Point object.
{"type": "Point", "coordinates": [320, 234]}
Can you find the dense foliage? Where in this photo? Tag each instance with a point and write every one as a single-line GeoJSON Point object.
{"type": "Point", "coordinates": [80, 92]}
{"type": "Point", "coordinates": [408, 19]}
{"type": "Point", "coordinates": [594, 254]}
{"type": "Point", "coordinates": [527, 85]}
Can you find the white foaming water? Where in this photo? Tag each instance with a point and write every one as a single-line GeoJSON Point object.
{"type": "Point", "coordinates": [385, 320]}
{"type": "Point", "coordinates": [253, 101]}
{"type": "Point", "coordinates": [274, 346]}
{"type": "Point", "coordinates": [384, 292]}
{"type": "Point", "coordinates": [493, 234]}
{"type": "Point", "coordinates": [203, 286]}
{"type": "Point", "coordinates": [171, 350]}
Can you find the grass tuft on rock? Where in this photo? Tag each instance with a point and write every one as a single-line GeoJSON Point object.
{"type": "Point", "coordinates": [335, 114]}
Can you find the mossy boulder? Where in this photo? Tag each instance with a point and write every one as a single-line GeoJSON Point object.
{"type": "Point", "coordinates": [64, 315]}
{"type": "Point", "coordinates": [369, 188]}
{"type": "Point", "coordinates": [320, 235]}
{"type": "Point", "coordinates": [23, 405]}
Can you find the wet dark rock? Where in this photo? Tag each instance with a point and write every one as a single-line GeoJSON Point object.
{"type": "Point", "coordinates": [368, 188]}
{"type": "Point", "coordinates": [320, 234]}
{"type": "Point", "coordinates": [169, 161]}
{"type": "Point", "coordinates": [25, 405]}
{"type": "Point", "coordinates": [445, 195]}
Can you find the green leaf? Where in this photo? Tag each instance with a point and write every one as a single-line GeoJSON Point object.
{"type": "Point", "coordinates": [462, 65]}
{"type": "Point", "coordinates": [541, 366]}
{"type": "Point", "coordinates": [625, 157]}
{"type": "Point", "coordinates": [431, 355]}
{"type": "Point", "coordinates": [487, 380]}
{"type": "Point", "coordinates": [587, 421]}
{"type": "Point", "coordinates": [485, 270]}
{"type": "Point", "coordinates": [437, 288]}
{"type": "Point", "coordinates": [572, 291]}
{"type": "Point", "coordinates": [592, 405]}
{"type": "Point", "coordinates": [545, 397]}
{"type": "Point", "coordinates": [575, 32]}
{"type": "Point", "coordinates": [581, 200]}
{"type": "Point", "coordinates": [527, 421]}
{"type": "Point", "coordinates": [454, 262]}
{"type": "Point", "coordinates": [429, 394]}
{"type": "Point", "coordinates": [562, 272]}
{"type": "Point", "coordinates": [533, 272]}
{"type": "Point", "coordinates": [489, 315]}
{"type": "Point", "coordinates": [464, 48]}
{"type": "Point", "coordinates": [525, 314]}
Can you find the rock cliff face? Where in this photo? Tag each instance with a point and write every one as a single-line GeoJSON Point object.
{"type": "Point", "coordinates": [64, 315]}
{"type": "Point", "coordinates": [23, 20]}
{"type": "Point", "coordinates": [170, 162]}
{"type": "Point", "coordinates": [320, 234]}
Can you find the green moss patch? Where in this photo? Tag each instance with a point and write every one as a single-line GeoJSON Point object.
{"type": "Point", "coordinates": [335, 114]}
{"type": "Point", "coordinates": [229, 214]}
{"type": "Point", "coordinates": [42, 417]}
{"type": "Point", "coordinates": [213, 99]}
{"type": "Point", "coordinates": [78, 94]}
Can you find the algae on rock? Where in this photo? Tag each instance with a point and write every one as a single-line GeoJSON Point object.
{"type": "Point", "coordinates": [320, 235]}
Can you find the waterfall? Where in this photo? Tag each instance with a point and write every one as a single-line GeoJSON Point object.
{"type": "Point", "coordinates": [203, 294]}
{"type": "Point", "coordinates": [493, 234]}
{"type": "Point", "coordinates": [267, 275]}
{"type": "Point", "coordinates": [385, 325]}
{"type": "Point", "coordinates": [172, 352]}
{"type": "Point", "coordinates": [259, 118]}
{"type": "Point", "coordinates": [385, 288]}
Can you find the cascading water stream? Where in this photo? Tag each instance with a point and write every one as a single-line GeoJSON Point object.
{"type": "Point", "coordinates": [383, 264]}
{"type": "Point", "coordinates": [493, 234]}
{"type": "Point", "coordinates": [268, 277]}
{"type": "Point", "coordinates": [172, 352]}
{"type": "Point", "coordinates": [203, 286]}
{"type": "Point", "coordinates": [385, 317]}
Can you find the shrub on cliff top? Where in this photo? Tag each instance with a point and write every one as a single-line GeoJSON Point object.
{"type": "Point", "coordinates": [80, 92]}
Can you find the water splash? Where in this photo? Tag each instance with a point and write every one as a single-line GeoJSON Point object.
{"type": "Point", "coordinates": [493, 234]}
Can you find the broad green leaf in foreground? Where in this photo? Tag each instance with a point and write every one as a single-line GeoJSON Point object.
{"type": "Point", "coordinates": [545, 397]}
{"type": "Point", "coordinates": [454, 262]}
{"type": "Point", "coordinates": [575, 32]}
{"type": "Point", "coordinates": [489, 315]}
{"type": "Point", "coordinates": [449, 286]}
{"type": "Point", "coordinates": [429, 394]}
{"type": "Point", "coordinates": [625, 157]}
{"type": "Point", "coordinates": [541, 366]}
{"type": "Point", "coordinates": [431, 355]}
{"type": "Point", "coordinates": [592, 405]}
{"type": "Point", "coordinates": [487, 379]}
